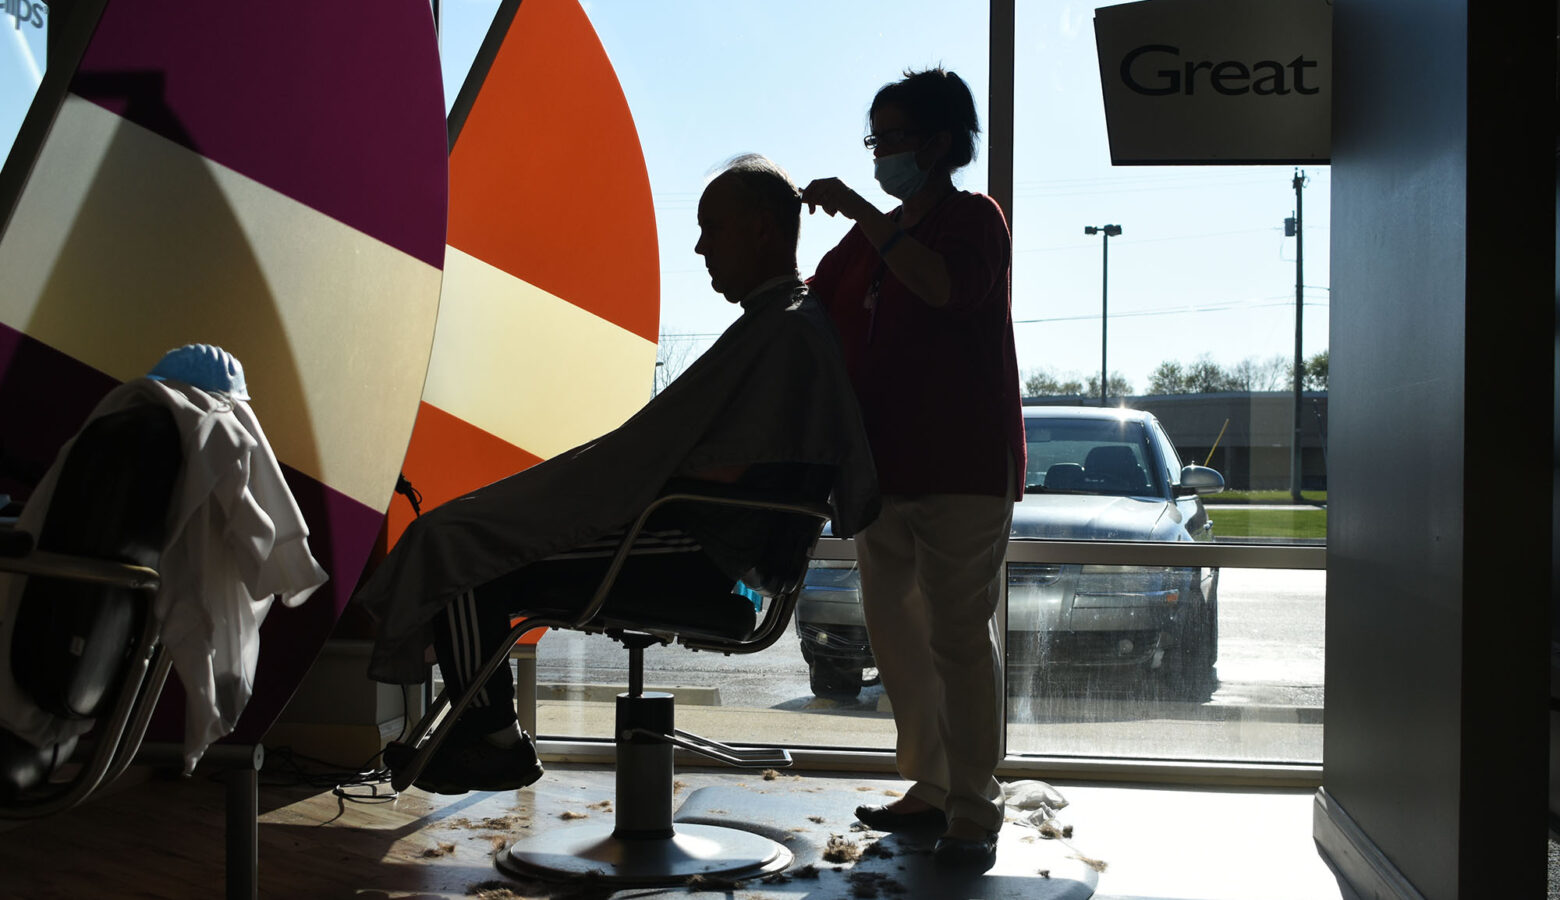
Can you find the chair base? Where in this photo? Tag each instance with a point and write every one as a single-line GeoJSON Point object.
{"type": "Point", "coordinates": [591, 852]}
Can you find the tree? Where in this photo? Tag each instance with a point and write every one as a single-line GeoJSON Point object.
{"type": "Point", "coordinates": [1204, 376]}
{"type": "Point", "coordinates": [1207, 377]}
{"type": "Point", "coordinates": [1168, 378]}
{"type": "Point", "coordinates": [1042, 383]}
{"type": "Point", "coordinates": [1272, 374]}
{"type": "Point", "coordinates": [671, 357]}
{"type": "Point", "coordinates": [1316, 371]}
{"type": "Point", "coordinates": [1119, 386]}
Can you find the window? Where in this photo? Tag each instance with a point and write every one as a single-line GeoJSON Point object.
{"type": "Point", "coordinates": [1186, 310]}
{"type": "Point", "coordinates": [1148, 617]}
{"type": "Point", "coordinates": [24, 60]}
{"type": "Point", "coordinates": [707, 81]}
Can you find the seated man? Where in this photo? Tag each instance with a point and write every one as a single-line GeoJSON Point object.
{"type": "Point", "coordinates": [768, 405]}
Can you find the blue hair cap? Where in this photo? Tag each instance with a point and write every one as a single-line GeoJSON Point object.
{"type": "Point", "coordinates": [205, 366]}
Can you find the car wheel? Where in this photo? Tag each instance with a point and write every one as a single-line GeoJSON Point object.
{"type": "Point", "coordinates": [836, 679]}
{"type": "Point", "coordinates": [1190, 670]}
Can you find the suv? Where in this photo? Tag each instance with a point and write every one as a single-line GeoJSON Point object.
{"type": "Point", "coordinates": [1093, 474]}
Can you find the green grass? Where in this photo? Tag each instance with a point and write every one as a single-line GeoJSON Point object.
{"type": "Point", "coordinates": [1262, 497]}
{"type": "Point", "coordinates": [1233, 523]}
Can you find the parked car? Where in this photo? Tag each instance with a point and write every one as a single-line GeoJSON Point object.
{"type": "Point", "coordinates": [1093, 474]}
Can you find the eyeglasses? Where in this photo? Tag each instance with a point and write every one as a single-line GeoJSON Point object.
{"type": "Point", "coordinates": [891, 136]}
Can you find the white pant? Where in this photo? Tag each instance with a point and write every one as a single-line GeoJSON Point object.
{"type": "Point", "coordinates": [930, 582]}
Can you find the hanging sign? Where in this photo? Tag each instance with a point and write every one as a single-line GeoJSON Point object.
{"type": "Point", "coordinates": [1221, 82]}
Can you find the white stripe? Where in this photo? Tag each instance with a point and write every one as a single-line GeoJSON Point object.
{"type": "Point", "coordinates": [528, 367]}
{"type": "Point", "coordinates": [460, 615]}
{"type": "Point", "coordinates": [125, 245]}
{"type": "Point", "coordinates": [474, 658]}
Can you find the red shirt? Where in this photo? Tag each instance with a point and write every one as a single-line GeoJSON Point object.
{"type": "Point", "coordinates": [938, 387]}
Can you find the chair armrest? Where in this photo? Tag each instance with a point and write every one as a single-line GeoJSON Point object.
{"type": "Point", "coordinates": [81, 568]}
{"type": "Point", "coordinates": [681, 490]}
{"type": "Point", "coordinates": [688, 490]}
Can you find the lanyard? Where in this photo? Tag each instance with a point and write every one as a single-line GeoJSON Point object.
{"type": "Point", "coordinates": [873, 297]}
{"type": "Point", "coordinates": [870, 302]}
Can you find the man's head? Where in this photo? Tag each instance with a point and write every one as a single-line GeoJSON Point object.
{"type": "Point", "coordinates": [749, 217]}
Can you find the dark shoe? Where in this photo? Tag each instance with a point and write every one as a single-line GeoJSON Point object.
{"type": "Point", "coordinates": [881, 818]}
{"type": "Point", "coordinates": [473, 765]}
{"type": "Point", "coordinates": [966, 853]}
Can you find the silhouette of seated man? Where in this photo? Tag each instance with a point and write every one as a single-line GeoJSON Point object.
{"type": "Point", "coordinates": [766, 406]}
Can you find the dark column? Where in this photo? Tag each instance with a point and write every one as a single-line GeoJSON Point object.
{"type": "Point", "coordinates": [1440, 447]}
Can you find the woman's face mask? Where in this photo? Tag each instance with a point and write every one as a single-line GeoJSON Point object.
{"type": "Point", "coordinates": [899, 175]}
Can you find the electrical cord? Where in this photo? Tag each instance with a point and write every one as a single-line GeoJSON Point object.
{"type": "Point", "coordinates": [404, 487]}
{"type": "Point", "coordinates": [365, 783]}
{"type": "Point", "coordinates": [285, 767]}
{"type": "Point", "coordinates": [412, 495]}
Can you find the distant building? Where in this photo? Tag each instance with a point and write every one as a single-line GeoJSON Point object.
{"type": "Point", "coordinates": [1257, 426]}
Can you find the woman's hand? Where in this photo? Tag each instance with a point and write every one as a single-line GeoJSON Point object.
{"type": "Point", "coordinates": [834, 196]}
{"type": "Point", "coordinates": [919, 268]}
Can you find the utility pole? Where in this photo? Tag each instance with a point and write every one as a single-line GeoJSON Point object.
{"type": "Point", "coordinates": [1294, 227]}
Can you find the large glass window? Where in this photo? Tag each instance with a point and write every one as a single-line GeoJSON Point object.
{"type": "Point", "coordinates": [463, 24]}
{"type": "Point", "coordinates": [1180, 318]}
{"type": "Point", "coordinates": [1188, 299]}
{"type": "Point", "coordinates": [708, 80]}
{"type": "Point", "coordinates": [24, 59]}
{"type": "Point", "coordinates": [1115, 672]}
{"type": "Point", "coordinates": [1175, 287]}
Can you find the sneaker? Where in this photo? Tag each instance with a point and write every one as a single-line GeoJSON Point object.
{"type": "Point", "coordinates": [474, 765]}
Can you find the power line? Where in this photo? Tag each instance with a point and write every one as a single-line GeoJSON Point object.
{"type": "Point", "coordinates": [1212, 307]}
{"type": "Point", "coordinates": [1157, 240]}
{"type": "Point", "coordinates": [1231, 306]}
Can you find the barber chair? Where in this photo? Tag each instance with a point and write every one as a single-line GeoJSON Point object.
{"type": "Point", "coordinates": [85, 644]}
{"type": "Point", "coordinates": [643, 847]}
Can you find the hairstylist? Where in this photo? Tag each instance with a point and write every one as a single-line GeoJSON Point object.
{"type": "Point", "coordinates": [920, 296]}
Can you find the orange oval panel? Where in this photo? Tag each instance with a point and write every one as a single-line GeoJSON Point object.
{"type": "Point", "coordinates": [551, 299]}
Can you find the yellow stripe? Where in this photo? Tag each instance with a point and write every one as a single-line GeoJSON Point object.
{"type": "Point", "coordinates": [125, 245]}
{"type": "Point", "coordinates": [528, 367]}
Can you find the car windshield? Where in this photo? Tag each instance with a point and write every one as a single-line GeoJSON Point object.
{"type": "Point", "coordinates": [1088, 456]}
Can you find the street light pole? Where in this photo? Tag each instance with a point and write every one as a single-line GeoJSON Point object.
{"type": "Point", "coordinates": [1108, 231]}
{"type": "Point", "coordinates": [1295, 227]}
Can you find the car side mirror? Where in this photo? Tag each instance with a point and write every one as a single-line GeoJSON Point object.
{"type": "Point", "coordinates": [1199, 480]}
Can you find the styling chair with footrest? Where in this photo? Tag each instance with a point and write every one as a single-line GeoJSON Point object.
{"type": "Point", "coordinates": [81, 642]}
{"type": "Point", "coordinates": [643, 846]}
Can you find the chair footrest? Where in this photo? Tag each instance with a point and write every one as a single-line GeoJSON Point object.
{"type": "Point", "coordinates": [749, 758]}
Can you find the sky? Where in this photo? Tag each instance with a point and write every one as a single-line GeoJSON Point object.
{"type": "Point", "coordinates": [1202, 267]}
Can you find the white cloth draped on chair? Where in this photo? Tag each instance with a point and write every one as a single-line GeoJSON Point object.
{"type": "Point", "coordinates": [237, 542]}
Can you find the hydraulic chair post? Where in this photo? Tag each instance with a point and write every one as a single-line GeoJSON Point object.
{"type": "Point", "coordinates": [644, 765]}
{"type": "Point", "coordinates": [643, 847]}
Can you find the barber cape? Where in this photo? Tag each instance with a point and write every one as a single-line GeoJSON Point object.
{"type": "Point", "coordinates": [772, 389]}
{"type": "Point", "coordinates": [236, 541]}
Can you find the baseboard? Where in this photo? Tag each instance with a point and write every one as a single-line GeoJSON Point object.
{"type": "Point", "coordinates": [346, 746]}
{"type": "Point", "coordinates": [1354, 856]}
